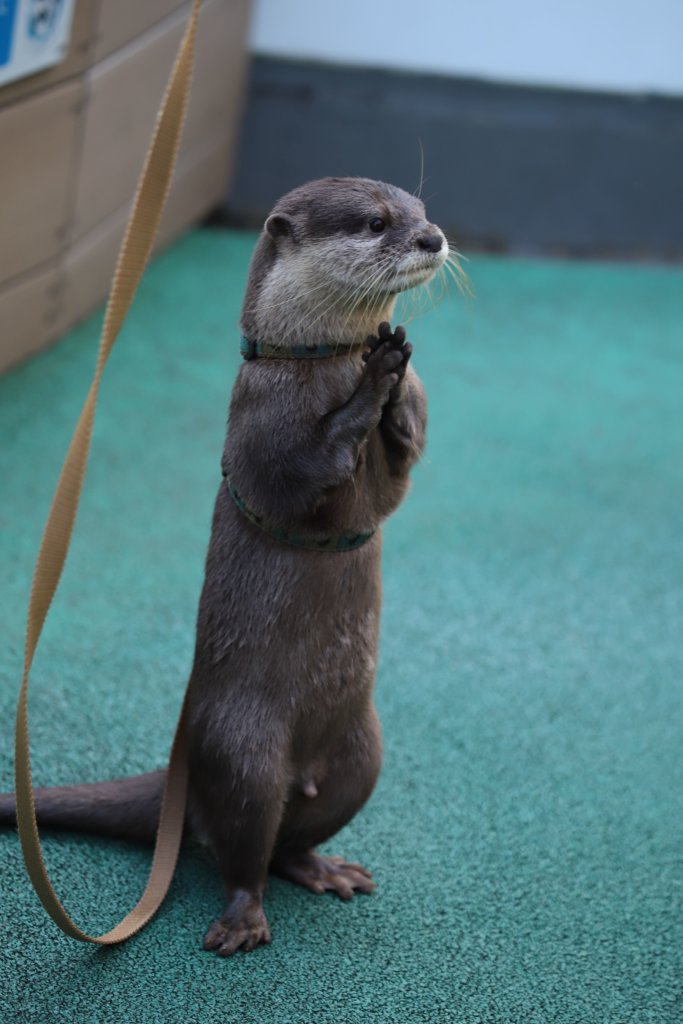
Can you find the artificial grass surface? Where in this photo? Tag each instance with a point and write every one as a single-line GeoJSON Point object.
{"type": "Point", "coordinates": [527, 830]}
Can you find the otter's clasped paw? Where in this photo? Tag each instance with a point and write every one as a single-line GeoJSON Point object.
{"type": "Point", "coordinates": [387, 341]}
{"type": "Point", "coordinates": [383, 369]}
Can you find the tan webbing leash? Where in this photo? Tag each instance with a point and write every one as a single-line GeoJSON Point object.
{"type": "Point", "coordinates": [150, 198]}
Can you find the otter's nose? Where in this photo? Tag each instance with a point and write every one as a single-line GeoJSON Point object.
{"type": "Point", "coordinates": [431, 241]}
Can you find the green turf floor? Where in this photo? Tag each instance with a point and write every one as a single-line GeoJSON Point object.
{"type": "Point", "coordinates": [527, 830]}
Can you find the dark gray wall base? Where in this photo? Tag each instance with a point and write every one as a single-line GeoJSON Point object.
{"type": "Point", "coordinates": [505, 168]}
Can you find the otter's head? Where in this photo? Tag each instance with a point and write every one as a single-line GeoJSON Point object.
{"type": "Point", "coordinates": [332, 257]}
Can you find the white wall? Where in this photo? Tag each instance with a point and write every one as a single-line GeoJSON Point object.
{"type": "Point", "coordinates": [627, 46]}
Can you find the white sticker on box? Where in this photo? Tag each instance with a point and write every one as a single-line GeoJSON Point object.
{"type": "Point", "coordinates": [34, 34]}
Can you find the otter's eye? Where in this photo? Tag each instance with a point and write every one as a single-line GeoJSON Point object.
{"type": "Point", "coordinates": [377, 225]}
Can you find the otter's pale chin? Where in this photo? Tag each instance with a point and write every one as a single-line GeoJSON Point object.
{"type": "Point", "coordinates": [407, 279]}
{"type": "Point", "coordinates": [419, 270]}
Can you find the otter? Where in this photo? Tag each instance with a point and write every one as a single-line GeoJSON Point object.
{"type": "Point", "coordinates": [327, 417]}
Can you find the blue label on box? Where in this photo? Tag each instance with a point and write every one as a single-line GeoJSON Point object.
{"type": "Point", "coordinates": [8, 10]}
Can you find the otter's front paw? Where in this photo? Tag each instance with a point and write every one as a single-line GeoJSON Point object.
{"type": "Point", "coordinates": [397, 340]}
{"type": "Point", "coordinates": [382, 367]}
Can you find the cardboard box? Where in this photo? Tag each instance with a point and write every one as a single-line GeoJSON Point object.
{"type": "Point", "coordinates": [37, 140]}
{"type": "Point", "coordinates": [120, 21]}
{"type": "Point", "coordinates": [79, 56]}
{"type": "Point", "coordinates": [28, 313]}
{"type": "Point", "coordinates": [124, 96]}
{"type": "Point", "coordinates": [73, 141]}
{"type": "Point", "coordinates": [89, 266]}
{"type": "Point", "coordinates": [124, 93]}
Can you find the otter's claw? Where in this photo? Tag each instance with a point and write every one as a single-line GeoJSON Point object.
{"type": "Point", "coordinates": [383, 370]}
{"type": "Point", "coordinates": [393, 341]}
{"type": "Point", "coordinates": [397, 337]}
{"type": "Point", "coordinates": [397, 340]}
{"type": "Point", "coordinates": [243, 925]}
{"type": "Point", "coordinates": [326, 874]}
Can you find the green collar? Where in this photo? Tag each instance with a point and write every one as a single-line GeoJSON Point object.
{"type": "Point", "coordinates": [334, 542]}
{"type": "Point", "coordinates": [263, 350]}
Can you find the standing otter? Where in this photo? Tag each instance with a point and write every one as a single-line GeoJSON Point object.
{"type": "Point", "coordinates": [326, 419]}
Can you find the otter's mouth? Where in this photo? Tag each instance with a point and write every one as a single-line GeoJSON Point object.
{"type": "Point", "coordinates": [417, 270]}
{"type": "Point", "coordinates": [413, 277]}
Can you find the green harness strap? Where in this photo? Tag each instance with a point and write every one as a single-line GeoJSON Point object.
{"type": "Point", "coordinates": [265, 350]}
{"type": "Point", "coordinates": [331, 542]}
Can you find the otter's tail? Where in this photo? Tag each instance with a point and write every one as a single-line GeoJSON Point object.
{"type": "Point", "coordinates": [122, 808]}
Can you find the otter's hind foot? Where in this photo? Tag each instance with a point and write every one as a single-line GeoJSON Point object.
{"type": "Point", "coordinates": [324, 874]}
{"type": "Point", "coordinates": [242, 925]}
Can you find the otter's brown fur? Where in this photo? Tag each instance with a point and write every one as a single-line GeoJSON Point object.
{"type": "Point", "coordinates": [284, 738]}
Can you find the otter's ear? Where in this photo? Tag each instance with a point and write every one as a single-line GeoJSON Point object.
{"type": "Point", "coordinates": [277, 225]}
